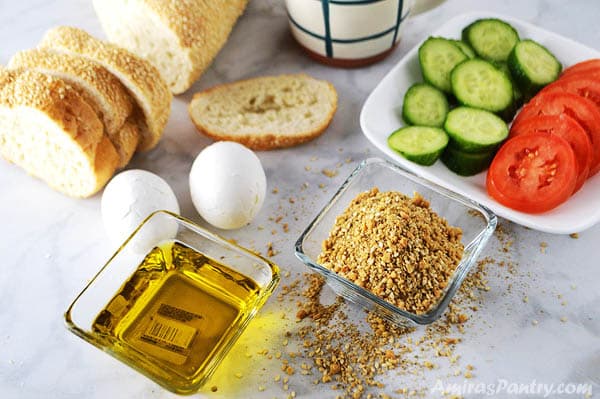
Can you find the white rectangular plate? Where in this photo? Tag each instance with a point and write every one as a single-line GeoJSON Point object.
{"type": "Point", "coordinates": [382, 114]}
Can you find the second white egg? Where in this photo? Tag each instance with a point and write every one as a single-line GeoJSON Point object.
{"type": "Point", "coordinates": [228, 185]}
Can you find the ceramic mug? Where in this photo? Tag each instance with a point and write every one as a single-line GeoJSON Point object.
{"type": "Point", "coordinates": [351, 33]}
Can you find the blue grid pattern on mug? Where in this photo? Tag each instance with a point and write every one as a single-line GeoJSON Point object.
{"type": "Point", "coordinates": [339, 28]}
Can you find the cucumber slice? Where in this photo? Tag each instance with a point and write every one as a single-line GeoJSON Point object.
{"type": "Point", "coordinates": [491, 38]}
{"type": "Point", "coordinates": [479, 84]}
{"type": "Point", "coordinates": [424, 105]}
{"type": "Point", "coordinates": [437, 58]}
{"type": "Point", "coordinates": [518, 98]}
{"type": "Point", "coordinates": [419, 144]}
{"type": "Point", "coordinates": [465, 48]}
{"type": "Point", "coordinates": [466, 163]}
{"type": "Point", "coordinates": [533, 66]}
{"type": "Point", "coordinates": [475, 130]}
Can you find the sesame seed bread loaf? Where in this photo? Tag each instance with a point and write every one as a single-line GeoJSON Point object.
{"type": "Point", "coordinates": [49, 130]}
{"type": "Point", "coordinates": [98, 87]}
{"type": "Point", "coordinates": [181, 38]}
{"type": "Point", "coordinates": [142, 80]}
{"type": "Point", "coordinates": [266, 113]}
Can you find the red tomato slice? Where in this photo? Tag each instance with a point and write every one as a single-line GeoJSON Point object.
{"type": "Point", "coordinates": [583, 111]}
{"type": "Point", "coordinates": [566, 127]}
{"type": "Point", "coordinates": [577, 83]}
{"type": "Point", "coordinates": [585, 66]}
{"type": "Point", "coordinates": [533, 173]}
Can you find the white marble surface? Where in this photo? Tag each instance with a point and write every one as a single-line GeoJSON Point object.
{"type": "Point", "coordinates": [51, 245]}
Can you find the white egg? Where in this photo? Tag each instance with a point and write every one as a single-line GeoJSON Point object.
{"type": "Point", "coordinates": [128, 199]}
{"type": "Point", "coordinates": [228, 185]}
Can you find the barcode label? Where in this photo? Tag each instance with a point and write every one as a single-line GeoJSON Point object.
{"type": "Point", "coordinates": [175, 335]}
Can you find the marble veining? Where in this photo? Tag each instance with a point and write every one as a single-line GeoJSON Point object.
{"type": "Point", "coordinates": [51, 245]}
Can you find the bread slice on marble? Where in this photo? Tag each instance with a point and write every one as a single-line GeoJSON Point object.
{"type": "Point", "coordinates": [266, 113]}
{"type": "Point", "coordinates": [98, 87]}
{"type": "Point", "coordinates": [142, 80]}
{"type": "Point", "coordinates": [49, 130]}
{"type": "Point", "coordinates": [181, 38]}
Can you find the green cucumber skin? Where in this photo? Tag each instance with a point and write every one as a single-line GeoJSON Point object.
{"type": "Point", "coordinates": [444, 83]}
{"type": "Point", "coordinates": [471, 149]}
{"type": "Point", "coordinates": [504, 80]}
{"type": "Point", "coordinates": [458, 142]}
{"type": "Point", "coordinates": [424, 159]}
{"type": "Point", "coordinates": [525, 84]}
{"type": "Point", "coordinates": [465, 48]}
{"type": "Point", "coordinates": [409, 116]}
{"type": "Point", "coordinates": [468, 31]}
{"type": "Point", "coordinates": [464, 163]}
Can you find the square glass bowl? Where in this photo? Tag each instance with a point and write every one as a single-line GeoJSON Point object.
{"type": "Point", "coordinates": [172, 313]}
{"type": "Point", "coordinates": [476, 221]}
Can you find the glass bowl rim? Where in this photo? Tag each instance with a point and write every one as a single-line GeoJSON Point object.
{"type": "Point", "coordinates": [476, 245]}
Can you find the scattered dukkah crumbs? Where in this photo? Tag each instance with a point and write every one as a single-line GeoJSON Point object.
{"type": "Point", "coordinates": [356, 358]}
{"type": "Point", "coordinates": [543, 246]}
{"type": "Point", "coordinates": [330, 172]}
{"type": "Point", "coordinates": [574, 235]}
{"type": "Point", "coordinates": [395, 247]}
{"type": "Point", "coordinates": [275, 190]}
{"type": "Point", "coordinates": [351, 358]}
{"type": "Point", "coordinates": [270, 251]}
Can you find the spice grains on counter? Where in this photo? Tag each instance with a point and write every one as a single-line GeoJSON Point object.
{"type": "Point", "coordinates": [395, 246]}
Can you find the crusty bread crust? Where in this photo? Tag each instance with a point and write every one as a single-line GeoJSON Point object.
{"type": "Point", "coordinates": [72, 69]}
{"type": "Point", "coordinates": [76, 119]}
{"type": "Point", "coordinates": [267, 140]}
{"type": "Point", "coordinates": [141, 78]}
{"type": "Point", "coordinates": [105, 163]}
{"type": "Point", "coordinates": [98, 87]}
{"type": "Point", "coordinates": [128, 138]}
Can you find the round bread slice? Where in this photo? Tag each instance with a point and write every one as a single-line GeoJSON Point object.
{"type": "Point", "coordinates": [139, 76]}
{"type": "Point", "coordinates": [265, 113]}
{"type": "Point", "coordinates": [98, 87]}
{"type": "Point", "coordinates": [50, 131]}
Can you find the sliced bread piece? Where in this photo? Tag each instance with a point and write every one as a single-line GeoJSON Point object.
{"type": "Point", "coordinates": [181, 38]}
{"type": "Point", "coordinates": [98, 87]}
{"type": "Point", "coordinates": [143, 80]}
{"type": "Point", "coordinates": [50, 131]}
{"type": "Point", "coordinates": [266, 113]}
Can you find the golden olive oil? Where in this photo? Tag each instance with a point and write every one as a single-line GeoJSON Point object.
{"type": "Point", "coordinates": [177, 310]}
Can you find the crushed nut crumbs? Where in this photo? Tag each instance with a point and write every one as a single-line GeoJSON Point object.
{"type": "Point", "coordinates": [330, 172]}
{"type": "Point", "coordinates": [395, 247]}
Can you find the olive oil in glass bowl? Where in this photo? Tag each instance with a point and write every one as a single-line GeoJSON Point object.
{"type": "Point", "coordinates": [172, 301]}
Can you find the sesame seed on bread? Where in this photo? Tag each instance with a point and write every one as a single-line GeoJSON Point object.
{"type": "Point", "coordinates": [98, 87]}
{"type": "Point", "coordinates": [142, 80]}
{"type": "Point", "coordinates": [49, 130]}
{"type": "Point", "coordinates": [181, 38]}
